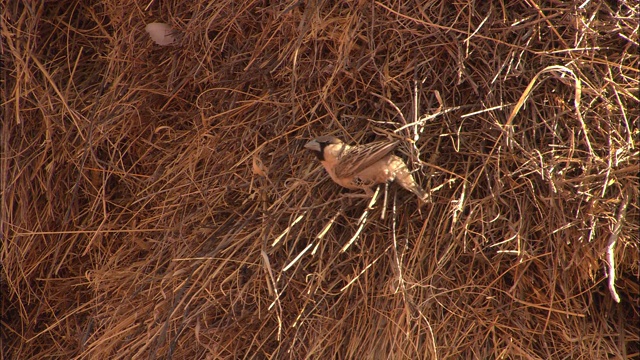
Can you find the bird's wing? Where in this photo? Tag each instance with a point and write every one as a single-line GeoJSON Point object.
{"type": "Point", "coordinates": [358, 158]}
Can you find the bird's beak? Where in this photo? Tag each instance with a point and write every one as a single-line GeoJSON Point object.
{"type": "Point", "coordinates": [313, 145]}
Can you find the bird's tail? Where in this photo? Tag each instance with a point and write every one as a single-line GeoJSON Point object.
{"type": "Point", "coordinates": [423, 195]}
{"type": "Point", "coordinates": [406, 180]}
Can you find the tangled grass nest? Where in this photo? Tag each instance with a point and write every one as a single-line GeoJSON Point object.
{"type": "Point", "coordinates": [156, 201]}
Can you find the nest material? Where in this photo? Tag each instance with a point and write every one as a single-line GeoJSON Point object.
{"type": "Point", "coordinates": [156, 202]}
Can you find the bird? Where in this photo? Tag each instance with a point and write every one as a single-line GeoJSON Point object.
{"type": "Point", "coordinates": [363, 166]}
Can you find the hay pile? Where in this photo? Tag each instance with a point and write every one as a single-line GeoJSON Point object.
{"type": "Point", "coordinates": [156, 201]}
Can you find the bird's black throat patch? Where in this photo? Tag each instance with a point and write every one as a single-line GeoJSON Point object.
{"type": "Point", "coordinates": [320, 154]}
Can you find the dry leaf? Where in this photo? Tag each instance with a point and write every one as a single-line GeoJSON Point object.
{"type": "Point", "coordinates": [161, 33]}
{"type": "Point", "coordinates": [258, 167]}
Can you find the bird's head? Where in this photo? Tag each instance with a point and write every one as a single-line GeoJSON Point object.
{"type": "Point", "coordinates": [318, 145]}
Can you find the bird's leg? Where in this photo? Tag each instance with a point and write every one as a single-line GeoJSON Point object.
{"type": "Point", "coordinates": [384, 204]}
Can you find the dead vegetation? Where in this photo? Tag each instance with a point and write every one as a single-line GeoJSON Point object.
{"type": "Point", "coordinates": [156, 202]}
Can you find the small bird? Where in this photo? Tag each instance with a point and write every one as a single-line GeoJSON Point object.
{"type": "Point", "coordinates": [363, 166]}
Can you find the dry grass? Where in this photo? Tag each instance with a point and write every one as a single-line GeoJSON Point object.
{"type": "Point", "coordinates": [134, 223]}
